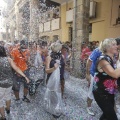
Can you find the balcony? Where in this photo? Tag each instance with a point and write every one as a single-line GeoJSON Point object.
{"type": "Point", "coordinates": [50, 25]}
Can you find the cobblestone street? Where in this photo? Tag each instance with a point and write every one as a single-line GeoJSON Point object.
{"type": "Point", "coordinates": [74, 104]}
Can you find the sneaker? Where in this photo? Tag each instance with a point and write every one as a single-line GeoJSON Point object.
{"type": "Point", "coordinates": [25, 99]}
{"type": "Point", "coordinates": [7, 111]}
{"type": "Point", "coordinates": [90, 112]}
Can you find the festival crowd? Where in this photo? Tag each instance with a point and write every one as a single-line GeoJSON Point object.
{"type": "Point", "coordinates": [23, 62]}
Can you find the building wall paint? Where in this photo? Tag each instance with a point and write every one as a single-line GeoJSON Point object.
{"type": "Point", "coordinates": [69, 5]}
{"type": "Point", "coordinates": [98, 29]}
{"type": "Point", "coordinates": [112, 29]}
{"type": "Point", "coordinates": [98, 23]}
{"type": "Point", "coordinates": [64, 24]}
{"type": "Point", "coordinates": [51, 34]}
{"type": "Point", "coordinates": [101, 25]}
{"type": "Point", "coordinates": [63, 32]}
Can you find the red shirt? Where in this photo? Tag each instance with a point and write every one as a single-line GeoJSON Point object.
{"type": "Point", "coordinates": [84, 53]}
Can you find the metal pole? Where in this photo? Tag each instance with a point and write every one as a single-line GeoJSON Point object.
{"type": "Point", "coordinates": [74, 31]}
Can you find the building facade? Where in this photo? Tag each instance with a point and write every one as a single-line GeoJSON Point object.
{"type": "Point", "coordinates": [106, 24]}
{"type": "Point", "coordinates": [66, 20]}
{"type": "Point", "coordinates": [26, 18]}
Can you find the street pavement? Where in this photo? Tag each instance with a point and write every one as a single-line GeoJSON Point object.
{"type": "Point", "coordinates": [74, 104]}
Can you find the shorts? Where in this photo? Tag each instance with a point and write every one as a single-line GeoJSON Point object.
{"type": "Point", "coordinates": [18, 79]}
{"type": "Point", "coordinates": [90, 93]}
{"type": "Point", "coordinates": [5, 95]}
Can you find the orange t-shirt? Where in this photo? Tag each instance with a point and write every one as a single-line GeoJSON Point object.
{"type": "Point", "coordinates": [20, 59]}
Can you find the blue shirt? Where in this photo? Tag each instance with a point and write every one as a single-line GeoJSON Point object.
{"type": "Point", "coordinates": [93, 57]}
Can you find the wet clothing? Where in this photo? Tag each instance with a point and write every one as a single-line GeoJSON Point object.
{"type": "Point", "coordinates": [104, 88]}
{"type": "Point", "coordinates": [6, 74]}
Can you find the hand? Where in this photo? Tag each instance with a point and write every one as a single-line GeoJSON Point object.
{"type": "Point", "coordinates": [27, 80]}
{"type": "Point", "coordinates": [88, 78]}
{"type": "Point", "coordinates": [56, 65]}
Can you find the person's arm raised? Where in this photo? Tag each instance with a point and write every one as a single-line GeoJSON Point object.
{"type": "Point", "coordinates": [107, 68]}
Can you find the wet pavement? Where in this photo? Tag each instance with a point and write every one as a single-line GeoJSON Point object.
{"type": "Point", "coordinates": [74, 104]}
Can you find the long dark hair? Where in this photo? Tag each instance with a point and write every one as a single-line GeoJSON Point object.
{"type": "Point", "coordinates": [2, 52]}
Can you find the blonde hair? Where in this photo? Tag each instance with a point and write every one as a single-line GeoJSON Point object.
{"type": "Point", "coordinates": [106, 43]}
{"type": "Point", "coordinates": [56, 46]}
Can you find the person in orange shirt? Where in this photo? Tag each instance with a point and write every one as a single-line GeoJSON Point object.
{"type": "Point", "coordinates": [20, 55]}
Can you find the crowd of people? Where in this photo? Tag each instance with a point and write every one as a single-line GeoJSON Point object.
{"type": "Point", "coordinates": [22, 62]}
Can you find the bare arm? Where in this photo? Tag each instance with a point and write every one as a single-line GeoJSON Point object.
{"type": "Point", "coordinates": [88, 65]}
{"type": "Point", "coordinates": [13, 65]}
{"type": "Point", "coordinates": [69, 55]}
{"type": "Point", "coordinates": [107, 68]}
{"type": "Point", "coordinates": [47, 64]}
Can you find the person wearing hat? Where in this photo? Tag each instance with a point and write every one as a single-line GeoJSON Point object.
{"type": "Point", "coordinates": [21, 56]}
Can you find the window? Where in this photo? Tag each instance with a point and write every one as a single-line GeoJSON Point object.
{"type": "Point", "coordinates": [90, 28]}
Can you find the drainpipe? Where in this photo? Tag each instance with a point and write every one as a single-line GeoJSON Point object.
{"type": "Point", "coordinates": [74, 31]}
